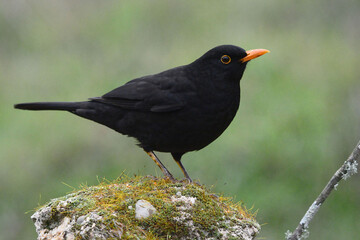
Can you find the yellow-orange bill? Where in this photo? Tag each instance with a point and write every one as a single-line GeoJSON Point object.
{"type": "Point", "coordinates": [251, 54]}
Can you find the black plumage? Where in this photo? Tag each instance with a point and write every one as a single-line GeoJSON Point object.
{"type": "Point", "coordinates": [179, 110]}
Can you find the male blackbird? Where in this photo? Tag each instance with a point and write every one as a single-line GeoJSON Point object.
{"type": "Point", "coordinates": [179, 110]}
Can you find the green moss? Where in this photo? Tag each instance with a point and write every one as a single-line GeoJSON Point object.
{"type": "Point", "coordinates": [115, 203]}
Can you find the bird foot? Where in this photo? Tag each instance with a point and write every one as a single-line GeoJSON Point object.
{"type": "Point", "coordinates": [170, 177]}
{"type": "Point", "coordinates": [189, 180]}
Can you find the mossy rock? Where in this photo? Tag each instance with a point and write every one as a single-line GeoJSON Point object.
{"type": "Point", "coordinates": [177, 210]}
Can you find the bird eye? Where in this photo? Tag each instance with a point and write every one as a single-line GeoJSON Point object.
{"type": "Point", "coordinates": [225, 59]}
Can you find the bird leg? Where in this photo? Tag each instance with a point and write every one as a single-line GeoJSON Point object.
{"type": "Point", "coordinates": [184, 171]}
{"type": "Point", "coordinates": [160, 165]}
{"type": "Point", "coordinates": [177, 158]}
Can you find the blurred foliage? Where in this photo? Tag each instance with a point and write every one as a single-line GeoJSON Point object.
{"type": "Point", "coordinates": [297, 123]}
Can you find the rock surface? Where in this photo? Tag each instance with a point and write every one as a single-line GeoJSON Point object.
{"type": "Point", "coordinates": [144, 208]}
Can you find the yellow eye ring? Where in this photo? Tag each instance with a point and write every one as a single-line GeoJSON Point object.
{"type": "Point", "coordinates": [225, 59]}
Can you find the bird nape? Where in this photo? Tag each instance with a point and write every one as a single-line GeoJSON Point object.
{"type": "Point", "coordinates": [179, 110]}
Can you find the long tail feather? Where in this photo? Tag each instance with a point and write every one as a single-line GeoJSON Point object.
{"type": "Point", "coordinates": [66, 106]}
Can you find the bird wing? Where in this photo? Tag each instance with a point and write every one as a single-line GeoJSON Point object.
{"type": "Point", "coordinates": [144, 94]}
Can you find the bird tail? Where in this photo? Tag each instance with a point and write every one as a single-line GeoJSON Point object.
{"type": "Point", "coordinates": [65, 106]}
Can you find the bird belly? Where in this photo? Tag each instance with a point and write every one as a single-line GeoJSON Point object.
{"type": "Point", "coordinates": [180, 131]}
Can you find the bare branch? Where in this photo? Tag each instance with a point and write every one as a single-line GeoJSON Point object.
{"type": "Point", "coordinates": [344, 172]}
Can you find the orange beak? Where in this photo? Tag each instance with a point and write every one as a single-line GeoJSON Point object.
{"type": "Point", "coordinates": [251, 54]}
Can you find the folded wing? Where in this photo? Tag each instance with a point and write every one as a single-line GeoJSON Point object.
{"type": "Point", "coordinates": [144, 94]}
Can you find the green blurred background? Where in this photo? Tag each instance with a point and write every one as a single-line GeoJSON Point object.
{"type": "Point", "coordinates": [298, 120]}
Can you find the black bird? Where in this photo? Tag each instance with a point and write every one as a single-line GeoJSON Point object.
{"type": "Point", "coordinates": [177, 111]}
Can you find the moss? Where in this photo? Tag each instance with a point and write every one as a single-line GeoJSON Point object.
{"type": "Point", "coordinates": [115, 203]}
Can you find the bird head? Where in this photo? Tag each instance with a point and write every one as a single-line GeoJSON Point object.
{"type": "Point", "coordinates": [228, 61]}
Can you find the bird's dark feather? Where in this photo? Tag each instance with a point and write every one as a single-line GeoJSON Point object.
{"type": "Point", "coordinates": [179, 110]}
{"type": "Point", "coordinates": [144, 94]}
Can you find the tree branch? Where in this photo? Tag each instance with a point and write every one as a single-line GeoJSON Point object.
{"type": "Point", "coordinates": [344, 172]}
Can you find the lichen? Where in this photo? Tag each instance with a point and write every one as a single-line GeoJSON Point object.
{"type": "Point", "coordinates": [350, 169]}
{"type": "Point", "coordinates": [183, 211]}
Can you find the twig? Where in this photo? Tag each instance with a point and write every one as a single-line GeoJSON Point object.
{"type": "Point", "coordinates": [344, 172]}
